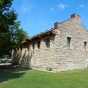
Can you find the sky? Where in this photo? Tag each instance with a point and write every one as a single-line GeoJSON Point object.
{"type": "Point", "coordinates": [39, 15]}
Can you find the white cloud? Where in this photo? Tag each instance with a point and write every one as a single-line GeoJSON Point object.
{"type": "Point", "coordinates": [52, 9]}
{"type": "Point", "coordinates": [25, 7]}
{"type": "Point", "coordinates": [81, 5]}
{"type": "Point", "coordinates": [62, 6]}
{"type": "Point", "coordinates": [24, 10]}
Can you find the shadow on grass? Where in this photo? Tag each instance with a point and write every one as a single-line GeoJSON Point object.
{"type": "Point", "coordinates": [8, 74]}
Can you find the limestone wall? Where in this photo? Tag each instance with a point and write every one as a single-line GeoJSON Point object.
{"type": "Point", "coordinates": [75, 56]}
{"type": "Point", "coordinates": [59, 56]}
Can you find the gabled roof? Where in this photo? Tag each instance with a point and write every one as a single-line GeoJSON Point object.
{"type": "Point", "coordinates": [40, 36]}
{"type": "Point", "coordinates": [74, 19]}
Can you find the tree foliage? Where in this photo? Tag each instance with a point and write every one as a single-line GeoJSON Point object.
{"type": "Point", "coordinates": [11, 34]}
{"type": "Point", "coordinates": [17, 35]}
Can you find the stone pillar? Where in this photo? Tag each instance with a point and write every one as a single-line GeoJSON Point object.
{"type": "Point", "coordinates": [43, 45]}
{"type": "Point", "coordinates": [22, 55]}
{"type": "Point", "coordinates": [36, 47]}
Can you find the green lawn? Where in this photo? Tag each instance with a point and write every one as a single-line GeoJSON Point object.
{"type": "Point", "coordinates": [39, 79]}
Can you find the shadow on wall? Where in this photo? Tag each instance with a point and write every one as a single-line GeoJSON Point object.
{"type": "Point", "coordinates": [22, 57]}
{"type": "Point", "coordinates": [25, 60]}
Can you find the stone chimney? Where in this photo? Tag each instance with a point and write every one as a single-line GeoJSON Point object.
{"type": "Point", "coordinates": [56, 25]}
{"type": "Point", "coordinates": [75, 18]}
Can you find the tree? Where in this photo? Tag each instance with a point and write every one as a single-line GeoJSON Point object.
{"type": "Point", "coordinates": [11, 34]}
{"type": "Point", "coordinates": [17, 35]}
{"type": "Point", "coordinates": [7, 16]}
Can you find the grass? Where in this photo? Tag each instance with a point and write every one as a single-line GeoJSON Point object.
{"type": "Point", "coordinates": [39, 79]}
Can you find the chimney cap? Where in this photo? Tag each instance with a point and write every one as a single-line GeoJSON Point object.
{"type": "Point", "coordinates": [56, 25]}
{"type": "Point", "coordinates": [74, 15]}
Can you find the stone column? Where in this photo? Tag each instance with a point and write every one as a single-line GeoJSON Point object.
{"type": "Point", "coordinates": [43, 45]}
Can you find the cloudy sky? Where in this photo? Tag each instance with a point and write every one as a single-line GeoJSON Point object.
{"type": "Point", "coordinates": [39, 15]}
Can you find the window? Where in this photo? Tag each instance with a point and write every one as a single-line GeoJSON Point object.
{"type": "Point", "coordinates": [47, 41]}
{"type": "Point", "coordinates": [85, 44]}
{"type": "Point", "coordinates": [68, 41]}
{"type": "Point", "coordinates": [38, 45]}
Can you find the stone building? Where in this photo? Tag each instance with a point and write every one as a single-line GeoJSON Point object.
{"type": "Point", "coordinates": [63, 47]}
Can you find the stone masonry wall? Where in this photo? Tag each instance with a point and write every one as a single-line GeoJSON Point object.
{"type": "Point", "coordinates": [59, 56]}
